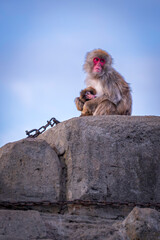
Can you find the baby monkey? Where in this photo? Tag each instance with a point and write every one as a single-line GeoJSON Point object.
{"type": "Point", "coordinates": [86, 95]}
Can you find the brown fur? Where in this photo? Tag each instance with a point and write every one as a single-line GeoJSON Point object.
{"type": "Point", "coordinates": [84, 91]}
{"type": "Point", "coordinates": [79, 101]}
{"type": "Point", "coordinates": [113, 92]}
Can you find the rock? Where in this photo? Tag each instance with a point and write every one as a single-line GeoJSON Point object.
{"type": "Point", "coordinates": [18, 225]}
{"type": "Point", "coordinates": [93, 171]}
{"type": "Point", "coordinates": [143, 224]}
{"type": "Point", "coordinates": [29, 171]}
{"type": "Point", "coordinates": [71, 227]}
{"type": "Point", "coordinates": [109, 158]}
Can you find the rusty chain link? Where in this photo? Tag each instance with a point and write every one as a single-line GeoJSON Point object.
{"type": "Point", "coordinates": [76, 202]}
{"type": "Point", "coordinates": [35, 132]}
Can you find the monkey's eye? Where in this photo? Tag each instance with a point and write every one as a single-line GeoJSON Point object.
{"type": "Point", "coordinates": [95, 60]}
{"type": "Point", "coordinates": [102, 60]}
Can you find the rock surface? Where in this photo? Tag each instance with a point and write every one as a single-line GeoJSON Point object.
{"type": "Point", "coordinates": [142, 224]}
{"type": "Point", "coordinates": [29, 171]}
{"type": "Point", "coordinates": [114, 158]}
{"type": "Point", "coordinates": [16, 225]}
{"type": "Point", "coordinates": [80, 180]}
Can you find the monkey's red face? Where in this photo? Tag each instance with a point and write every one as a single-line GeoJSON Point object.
{"type": "Point", "coordinates": [98, 64]}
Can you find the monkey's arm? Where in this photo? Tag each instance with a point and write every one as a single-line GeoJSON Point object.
{"type": "Point", "coordinates": [79, 104]}
{"type": "Point", "coordinates": [122, 97]}
{"type": "Point", "coordinates": [90, 107]}
{"type": "Point", "coordinates": [124, 106]}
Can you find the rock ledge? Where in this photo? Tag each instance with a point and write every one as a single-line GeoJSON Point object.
{"type": "Point", "coordinates": [86, 178]}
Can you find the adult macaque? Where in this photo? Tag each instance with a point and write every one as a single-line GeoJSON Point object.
{"type": "Point", "coordinates": [110, 94]}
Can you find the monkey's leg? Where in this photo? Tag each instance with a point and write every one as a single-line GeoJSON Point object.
{"type": "Point", "coordinates": [106, 108]}
{"type": "Point", "coordinates": [79, 104]}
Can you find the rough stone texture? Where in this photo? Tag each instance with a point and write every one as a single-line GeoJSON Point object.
{"type": "Point", "coordinates": [111, 158]}
{"type": "Point", "coordinates": [66, 227]}
{"type": "Point", "coordinates": [18, 225]}
{"type": "Point", "coordinates": [105, 158]}
{"type": "Point", "coordinates": [143, 224]}
{"type": "Point", "coordinates": [29, 171]}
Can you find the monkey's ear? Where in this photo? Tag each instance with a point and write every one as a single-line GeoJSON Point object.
{"type": "Point", "coordinates": [109, 60]}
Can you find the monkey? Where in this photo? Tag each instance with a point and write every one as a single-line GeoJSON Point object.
{"type": "Point", "coordinates": [86, 95]}
{"type": "Point", "coordinates": [113, 93]}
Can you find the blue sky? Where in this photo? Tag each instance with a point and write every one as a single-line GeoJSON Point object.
{"type": "Point", "coordinates": [42, 50]}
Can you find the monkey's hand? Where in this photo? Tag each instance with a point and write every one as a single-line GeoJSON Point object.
{"type": "Point", "coordinates": [79, 104]}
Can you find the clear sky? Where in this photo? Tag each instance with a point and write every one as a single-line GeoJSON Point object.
{"type": "Point", "coordinates": [42, 48]}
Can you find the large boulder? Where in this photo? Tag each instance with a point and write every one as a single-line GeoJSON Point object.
{"type": "Point", "coordinates": [21, 225]}
{"type": "Point", "coordinates": [82, 178]}
{"type": "Point", "coordinates": [140, 224]}
{"type": "Point", "coordinates": [143, 224]}
{"type": "Point", "coordinates": [110, 158]}
{"type": "Point", "coordinates": [29, 171]}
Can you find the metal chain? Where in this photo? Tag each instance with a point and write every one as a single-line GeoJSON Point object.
{"type": "Point", "coordinates": [76, 202]}
{"type": "Point", "coordinates": [35, 132]}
